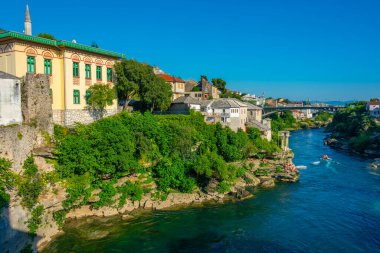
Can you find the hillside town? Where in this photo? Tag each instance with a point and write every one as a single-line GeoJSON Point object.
{"type": "Point", "coordinates": [72, 68]}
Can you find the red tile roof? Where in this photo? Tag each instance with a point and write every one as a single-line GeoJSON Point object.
{"type": "Point", "coordinates": [374, 103]}
{"type": "Point", "coordinates": [169, 78]}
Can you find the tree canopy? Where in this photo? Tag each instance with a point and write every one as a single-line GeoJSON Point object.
{"type": "Point", "coordinates": [46, 36]}
{"type": "Point", "coordinates": [99, 97]}
{"type": "Point", "coordinates": [134, 78]}
{"type": "Point", "coordinates": [220, 84]}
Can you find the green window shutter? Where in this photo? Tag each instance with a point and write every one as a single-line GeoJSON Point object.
{"type": "Point", "coordinates": [76, 97]}
{"type": "Point", "coordinates": [88, 94]}
{"type": "Point", "coordinates": [31, 64]}
{"type": "Point", "coordinates": [99, 72]}
{"type": "Point", "coordinates": [47, 65]}
{"type": "Point", "coordinates": [88, 71]}
{"type": "Point", "coordinates": [109, 74]}
{"type": "Point", "coordinates": [76, 69]}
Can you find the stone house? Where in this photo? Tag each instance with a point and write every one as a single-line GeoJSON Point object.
{"type": "Point", "coordinates": [184, 104]}
{"type": "Point", "coordinates": [226, 111]}
{"type": "Point", "coordinates": [72, 68]}
{"type": "Point", "coordinates": [202, 90]}
{"type": "Point", "coordinates": [255, 120]}
{"type": "Point", "coordinates": [177, 84]}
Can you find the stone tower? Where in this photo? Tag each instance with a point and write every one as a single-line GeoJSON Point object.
{"type": "Point", "coordinates": [28, 22]}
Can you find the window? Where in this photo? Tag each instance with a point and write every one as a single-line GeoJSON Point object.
{"type": "Point", "coordinates": [99, 72]}
{"type": "Point", "coordinates": [109, 74]}
{"type": "Point", "coordinates": [88, 94]}
{"type": "Point", "coordinates": [31, 62]}
{"type": "Point", "coordinates": [88, 71]}
{"type": "Point", "coordinates": [47, 66]}
{"type": "Point", "coordinates": [75, 69]}
{"type": "Point", "coordinates": [76, 97]}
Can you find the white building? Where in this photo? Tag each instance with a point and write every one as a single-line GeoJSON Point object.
{"type": "Point", "coordinates": [374, 109]}
{"type": "Point", "coordinates": [227, 111]}
{"type": "Point", "coordinates": [10, 100]}
{"type": "Point", "coordinates": [257, 100]}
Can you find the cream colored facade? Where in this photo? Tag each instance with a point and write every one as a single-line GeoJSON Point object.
{"type": "Point", "coordinates": [14, 52]}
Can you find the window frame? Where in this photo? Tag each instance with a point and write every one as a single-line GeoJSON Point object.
{"type": "Point", "coordinates": [75, 69]}
{"type": "Point", "coordinates": [50, 66]}
{"type": "Point", "coordinates": [87, 71]}
{"type": "Point", "coordinates": [76, 96]}
{"type": "Point", "coordinates": [99, 71]}
{"type": "Point", "coordinates": [109, 74]}
{"type": "Point", "coordinates": [28, 64]}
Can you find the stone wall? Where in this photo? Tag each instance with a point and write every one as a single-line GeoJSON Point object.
{"type": "Point", "coordinates": [70, 117]}
{"type": "Point", "coordinates": [36, 102]}
{"type": "Point", "coordinates": [17, 143]}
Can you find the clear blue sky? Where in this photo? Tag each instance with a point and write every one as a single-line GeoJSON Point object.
{"type": "Point", "coordinates": [317, 49]}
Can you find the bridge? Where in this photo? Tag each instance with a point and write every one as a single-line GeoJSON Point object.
{"type": "Point", "coordinates": [268, 110]}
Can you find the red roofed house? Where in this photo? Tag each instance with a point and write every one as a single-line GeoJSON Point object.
{"type": "Point", "coordinates": [374, 109]}
{"type": "Point", "coordinates": [178, 85]}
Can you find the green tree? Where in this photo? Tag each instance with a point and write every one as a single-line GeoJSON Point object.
{"type": "Point", "coordinates": [100, 96]}
{"type": "Point", "coordinates": [46, 36]}
{"type": "Point", "coordinates": [156, 95]}
{"type": "Point", "coordinates": [374, 100]}
{"type": "Point", "coordinates": [134, 78]}
{"type": "Point", "coordinates": [220, 84]}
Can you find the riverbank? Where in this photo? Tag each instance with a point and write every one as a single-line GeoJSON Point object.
{"type": "Point", "coordinates": [345, 144]}
{"type": "Point", "coordinates": [262, 174]}
{"type": "Point", "coordinates": [354, 130]}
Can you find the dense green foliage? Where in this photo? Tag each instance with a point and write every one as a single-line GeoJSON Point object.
{"type": "Point", "coordinates": [355, 124]}
{"type": "Point", "coordinates": [31, 184]}
{"type": "Point", "coordinates": [100, 96]}
{"type": "Point", "coordinates": [59, 217]}
{"type": "Point", "coordinates": [35, 220]}
{"type": "Point", "coordinates": [130, 190]}
{"type": "Point", "coordinates": [7, 179]}
{"type": "Point", "coordinates": [220, 84]}
{"type": "Point", "coordinates": [46, 36]}
{"type": "Point", "coordinates": [323, 116]}
{"type": "Point", "coordinates": [134, 78]}
{"type": "Point", "coordinates": [183, 152]}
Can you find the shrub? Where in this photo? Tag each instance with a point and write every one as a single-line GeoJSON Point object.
{"type": "Point", "coordinates": [130, 190]}
{"type": "Point", "coordinates": [34, 221]}
{"type": "Point", "coordinates": [106, 195]}
{"type": "Point", "coordinates": [7, 180]}
{"type": "Point", "coordinates": [223, 187]}
{"type": "Point", "coordinates": [79, 190]}
{"type": "Point", "coordinates": [59, 217]}
{"type": "Point", "coordinates": [31, 185]}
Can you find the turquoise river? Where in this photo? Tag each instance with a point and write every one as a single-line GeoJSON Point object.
{"type": "Point", "coordinates": [335, 207]}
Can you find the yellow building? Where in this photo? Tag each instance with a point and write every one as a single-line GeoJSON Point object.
{"type": "Point", "coordinates": [72, 68]}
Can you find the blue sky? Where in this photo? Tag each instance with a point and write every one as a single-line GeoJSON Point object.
{"type": "Point", "coordinates": [317, 49]}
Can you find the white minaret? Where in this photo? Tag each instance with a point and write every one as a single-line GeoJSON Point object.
{"type": "Point", "coordinates": [28, 22]}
